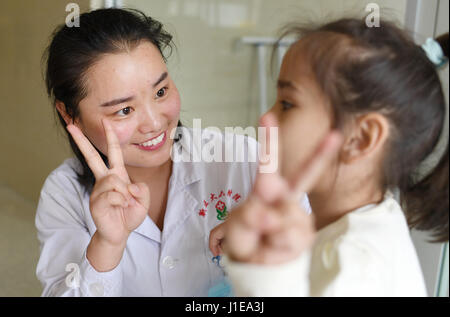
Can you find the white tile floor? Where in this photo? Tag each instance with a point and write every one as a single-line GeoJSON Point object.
{"type": "Point", "coordinates": [19, 247]}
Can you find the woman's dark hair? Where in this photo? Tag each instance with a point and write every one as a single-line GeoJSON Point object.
{"type": "Point", "coordinates": [380, 69]}
{"type": "Point", "coordinates": [73, 50]}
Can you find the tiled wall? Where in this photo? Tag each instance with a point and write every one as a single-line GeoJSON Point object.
{"type": "Point", "coordinates": [29, 141]}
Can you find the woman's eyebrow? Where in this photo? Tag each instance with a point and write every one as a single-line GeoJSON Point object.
{"type": "Point", "coordinates": [161, 78]}
{"type": "Point", "coordinates": [126, 99]}
{"type": "Point", "coordinates": [116, 101]}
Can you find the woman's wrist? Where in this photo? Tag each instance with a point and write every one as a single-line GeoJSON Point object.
{"type": "Point", "coordinates": [103, 255]}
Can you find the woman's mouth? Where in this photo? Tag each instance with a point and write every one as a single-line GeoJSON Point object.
{"type": "Point", "coordinates": [153, 144]}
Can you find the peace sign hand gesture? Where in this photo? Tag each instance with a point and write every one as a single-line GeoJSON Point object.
{"type": "Point", "coordinates": [270, 227]}
{"type": "Point", "coordinates": [117, 206]}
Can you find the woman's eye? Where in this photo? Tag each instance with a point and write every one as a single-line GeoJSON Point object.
{"type": "Point", "coordinates": [124, 112]}
{"type": "Point", "coordinates": [286, 105]}
{"type": "Point", "coordinates": [161, 92]}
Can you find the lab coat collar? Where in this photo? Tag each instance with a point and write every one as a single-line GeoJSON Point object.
{"type": "Point", "coordinates": [183, 175]}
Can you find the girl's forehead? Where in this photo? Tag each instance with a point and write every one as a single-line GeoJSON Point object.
{"type": "Point", "coordinates": [296, 64]}
{"type": "Point", "coordinates": [298, 50]}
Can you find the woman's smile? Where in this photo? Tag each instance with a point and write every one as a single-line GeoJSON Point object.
{"type": "Point", "coordinates": [154, 143]}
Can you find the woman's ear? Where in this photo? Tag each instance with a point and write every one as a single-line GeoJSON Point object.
{"type": "Point", "coordinates": [367, 137]}
{"type": "Point", "coordinates": [62, 111]}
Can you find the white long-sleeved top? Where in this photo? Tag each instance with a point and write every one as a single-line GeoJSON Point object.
{"type": "Point", "coordinates": [174, 262]}
{"type": "Point", "coordinates": [368, 252]}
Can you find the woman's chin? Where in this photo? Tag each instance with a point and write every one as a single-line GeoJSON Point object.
{"type": "Point", "coordinates": [156, 163]}
{"type": "Point", "coordinates": [150, 159]}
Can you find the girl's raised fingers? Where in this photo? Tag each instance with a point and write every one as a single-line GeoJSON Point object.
{"type": "Point", "coordinates": [269, 185]}
{"type": "Point", "coordinates": [241, 242]}
{"type": "Point", "coordinates": [91, 155]}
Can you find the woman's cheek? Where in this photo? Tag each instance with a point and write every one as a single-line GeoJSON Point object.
{"type": "Point", "coordinates": [172, 108]}
{"type": "Point", "coordinates": [96, 135]}
{"type": "Point", "coordinates": [124, 132]}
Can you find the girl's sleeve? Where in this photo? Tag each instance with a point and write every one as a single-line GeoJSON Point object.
{"type": "Point", "coordinates": [254, 280]}
{"type": "Point", "coordinates": [63, 268]}
{"type": "Point", "coordinates": [349, 268]}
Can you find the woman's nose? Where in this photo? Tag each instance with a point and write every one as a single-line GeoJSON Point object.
{"type": "Point", "coordinates": [150, 120]}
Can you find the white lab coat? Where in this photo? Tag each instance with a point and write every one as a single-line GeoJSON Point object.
{"type": "Point", "coordinates": [174, 262]}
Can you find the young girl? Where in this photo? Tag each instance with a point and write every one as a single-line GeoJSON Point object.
{"type": "Point", "coordinates": [383, 94]}
{"type": "Point", "coordinates": [123, 218]}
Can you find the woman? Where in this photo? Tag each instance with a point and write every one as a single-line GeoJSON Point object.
{"type": "Point", "coordinates": [123, 218]}
{"type": "Point", "coordinates": [112, 68]}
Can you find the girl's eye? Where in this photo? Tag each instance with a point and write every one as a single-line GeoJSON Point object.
{"type": "Point", "coordinates": [161, 92]}
{"type": "Point", "coordinates": [286, 105]}
{"type": "Point", "coordinates": [124, 112]}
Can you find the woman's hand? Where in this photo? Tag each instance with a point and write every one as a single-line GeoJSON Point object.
{"type": "Point", "coordinates": [270, 227]}
{"type": "Point", "coordinates": [117, 206]}
{"type": "Point", "coordinates": [216, 239]}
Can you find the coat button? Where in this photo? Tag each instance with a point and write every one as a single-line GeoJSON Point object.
{"type": "Point", "coordinates": [169, 262]}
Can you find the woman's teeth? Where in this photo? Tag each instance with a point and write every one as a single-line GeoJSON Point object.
{"type": "Point", "coordinates": [155, 141]}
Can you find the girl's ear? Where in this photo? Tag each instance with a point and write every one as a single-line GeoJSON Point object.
{"type": "Point", "coordinates": [62, 111]}
{"type": "Point", "coordinates": [367, 138]}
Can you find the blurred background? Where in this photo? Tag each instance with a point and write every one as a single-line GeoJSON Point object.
{"type": "Point", "coordinates": [221, 67]}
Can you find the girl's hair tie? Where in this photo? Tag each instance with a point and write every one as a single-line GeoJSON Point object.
{"type": "Point", "coordinates": [435, 53]}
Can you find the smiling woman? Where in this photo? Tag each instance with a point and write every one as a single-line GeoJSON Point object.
{"type": "Point", "coordinates": [142, 104]}
{"type": "Point", "coordinates": [126, 217]}
{"type": "Point", "coordinates": [73, 70]}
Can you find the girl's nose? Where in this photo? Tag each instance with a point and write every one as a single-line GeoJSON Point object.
{"type": "Point", "coordinates": [150, 120]}
{"type": "Point", "coordinates": [269, 112]}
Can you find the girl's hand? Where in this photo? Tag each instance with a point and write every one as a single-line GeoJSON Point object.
{"type": "Point", "coordinates": [117, 206]}
{"type": "Point", "coordinates": [270, 227]}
